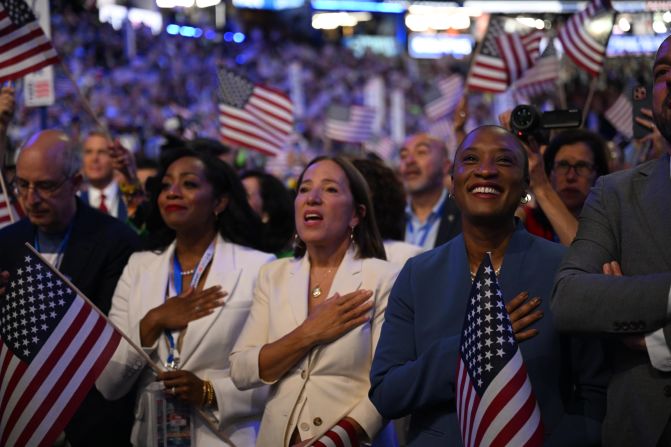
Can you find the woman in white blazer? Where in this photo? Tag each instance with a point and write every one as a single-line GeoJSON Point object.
{"type": "Point", "coordinates": [186, 300]}
{"type": "Point", "coordinates": [316, 318]}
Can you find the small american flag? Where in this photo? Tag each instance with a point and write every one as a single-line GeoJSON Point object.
{"type": "Point", "coordinates": [542, 77]}
{"type": "Point", "coordinates": [584, 43]}
{"type": "Point", "coordinates": [496, 405]}
{"type": "Point", "coordinates": [620, 115]}
{"type": "Point", "coordinates": [444, 97]}
{"type": "Point", "coordinates": [254, 116]}
{"type": "Point", "coordinates": [53, 346]}
{"type": "Point", "coordinates": [503, 57]}
{"type": "Point", "coordinates": [9, 212]}
{"type": "Point", "coordinates": [353, 124]}
{"type": "Point", "coordinates": [24, 48]}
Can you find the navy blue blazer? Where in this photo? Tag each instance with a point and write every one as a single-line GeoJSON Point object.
{"type": "Point", "coordinates": [413, 371]}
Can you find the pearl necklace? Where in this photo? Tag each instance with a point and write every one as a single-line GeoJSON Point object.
{"type": "Point", "coordinates": [497, 272]}
{"type": "Point", "coordinates": [187, 272]}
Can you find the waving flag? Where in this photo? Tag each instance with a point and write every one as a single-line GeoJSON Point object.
{"type": "Point", "coordinates": [24, 48]}
{"type": "Point", "coordinates": [496, 405]}
{"type": "Point", "coordinates": [444, 97]}
{"type": "Point", "coordinates": [503, 57]}
{"type": "Point", "coordinates": [620, 115]}
{"type": "Point", "coordinates": [542, 77]}
{"type": "Point", "coordinates": [53, 346]}
{"type": "Point", "coordinates": [9, 212]}
{"type": "Point", "coordinates": [353, 124]}
{"type": "Point", "coordinates": [255, 117]}
{"type": "Point", "coordinates": [585, 35]}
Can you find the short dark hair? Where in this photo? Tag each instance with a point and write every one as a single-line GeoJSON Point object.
{"type": "Point", "coordinates": [388, 197]}
{"type": "Point", "coordinates": [366, 235]}
{"type": "Point", "coordinates": [594, 142]}
{"type": "Point", "coordinates": [237, 223]}
{"type": "Point", "coordinates": [278, 203]}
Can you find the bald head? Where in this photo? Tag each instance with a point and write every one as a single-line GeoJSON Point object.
{"type": "Point", "coordinates": [47, 178]}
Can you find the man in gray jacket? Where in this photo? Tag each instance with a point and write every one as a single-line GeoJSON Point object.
{"type": "Point", "coordinates": [615, 281]}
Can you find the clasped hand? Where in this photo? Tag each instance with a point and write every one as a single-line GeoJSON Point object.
{"type": "Point", "coordinates": [522, 315]}
{"type": "Point", "coordinates": [184, 385]}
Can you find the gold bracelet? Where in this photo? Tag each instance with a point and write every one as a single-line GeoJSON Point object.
{"type": "Point", "coordinates": [203, 400]}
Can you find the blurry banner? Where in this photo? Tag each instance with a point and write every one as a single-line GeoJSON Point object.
{"type": "Point", "coordinates": [24, 48]}
{"type": "Point", "coordinates": [542, 77]}
{"type": "Point", "coordinates": [620, 115]}
{"type": "Point", "coordinates": [496, 405]}
{"type": "Point", "coordinates": [397, 116]}
{"type": "Point", "coordinates": [297, 90]}
{"type": "Point", "coordinates": [352, 124]}
{"type": "Point", "coordinates": [503, 57]}
{"type": "Point", "coordinates": [53, 346]}
{"type": "Point", "coordinates": [383, 146]}
{"type": "Point", "coordinates": [252, 116]}
{"type": "Point", "coordinates": [444, 97]}
{"type": "Point", "coordinates": [374, 97]}
{"type": "Point", "coordinates": [585, 35]}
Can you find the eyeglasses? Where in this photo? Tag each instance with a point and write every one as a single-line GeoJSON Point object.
{"type": "Point", "coordinates": [581, 168]}
{"type": "Point", "coordinates": [44, 189]}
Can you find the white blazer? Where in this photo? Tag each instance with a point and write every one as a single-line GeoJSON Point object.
{"type": "Point", "coordinates": [333, 380]}
{"type": "Point", "coordinates": [206, 345]}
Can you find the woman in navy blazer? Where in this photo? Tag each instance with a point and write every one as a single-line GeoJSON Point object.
{"type": "Point", "coordinates": [413, 371]}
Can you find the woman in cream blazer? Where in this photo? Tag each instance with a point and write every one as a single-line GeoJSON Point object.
{"type": "Point", "coordinates": [207, 339]}
{"type": "Point", "coordinates": [318, 365]}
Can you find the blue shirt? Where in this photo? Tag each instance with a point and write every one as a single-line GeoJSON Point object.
{"type": "Point", "coordinates": [424, 234]}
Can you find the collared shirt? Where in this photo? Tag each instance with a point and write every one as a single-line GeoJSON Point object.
{"type": "Point", "coordinates": [655, 342]}
{"type": "Point", "coordinates": [112, 197]}
{"type": "Point", "coordinates": [424, 234]}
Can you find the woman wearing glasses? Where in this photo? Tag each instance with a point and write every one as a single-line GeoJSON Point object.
{"type": "Point", "coordinates": [184, 302]}
{"type": "Point", "coordinates": [561, 179]}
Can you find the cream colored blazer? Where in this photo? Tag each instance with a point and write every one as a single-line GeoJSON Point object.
{"type": "Point", "coordinates": [333, 380]}
{"type": "Point", "coordinates": [206, 343]}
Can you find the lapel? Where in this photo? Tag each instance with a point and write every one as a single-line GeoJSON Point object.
{"type": "Point", "coordinates": [513, 261]}
{"type": "Point", "coordinates": [225, 272]}
{"type": "Point", "coordinates": [122, 212]}
{"type": "Point", "coordinates": [80, 247]}
{"type": "Point", "coordinates": [652, 186]}
{"type": "Point", "coordinates": [457, 279]}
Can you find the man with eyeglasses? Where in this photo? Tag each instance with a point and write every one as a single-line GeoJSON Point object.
{"type": "Point", "coordinates": [615, 283]}
{"type": "Point", "coordinates": [89, 247]}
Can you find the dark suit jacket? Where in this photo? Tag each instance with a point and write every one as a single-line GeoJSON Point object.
{"type": "Point", "coordinates": [122, 211]}
{"type": "Point", "coordinates": [414, 367]}
{"type": "Point", "coordinates": [450, 222]}
{"type": "Point", "coordinates": [94, 258]}
{"type": "Point", "coordinates": [626, 218]}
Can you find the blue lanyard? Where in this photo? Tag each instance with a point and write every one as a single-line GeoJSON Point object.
{"type": "Point", "coordinates": [61, 246]}
{"type": "Point", "coordinates": [426, 228]}
{"type": "Point", "coordinates": [173, 355]}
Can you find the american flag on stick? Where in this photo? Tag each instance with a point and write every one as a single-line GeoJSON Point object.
{"type": "Point", "coordinates": [53, 345]}
{"type": "Point", "coordinates": [496, 405]}
{"type": "Point", "coordinates": [585, 35]}
{"type": "Point", "coordinates": [353, 124]}
{"type": "Point", "coordinates": [254, 116]}
{"type": "Point", "coordinates": [24, 48]}
{"type": "Point", "coordinates": [620, 115]}
{"type": "Point", "coordinates": [503, 57]}
{"type": "Point", "coordinates": [9, 212]}
{"type": "Point", "coordinates": [444, 97]}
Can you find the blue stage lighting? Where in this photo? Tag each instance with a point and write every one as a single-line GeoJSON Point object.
{"type": "Point", "coordinates": [238, 37]}
{"type": "Point", "coordinates": [172, 29]}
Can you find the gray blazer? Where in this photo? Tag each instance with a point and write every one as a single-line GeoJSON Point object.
{"type": "Point", "coordinates": [626, 218]}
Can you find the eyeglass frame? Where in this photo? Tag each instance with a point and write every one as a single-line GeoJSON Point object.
{"type": "Point", "coordinates": [39, 187]}
{"type": "Point", "coordinates": [563, 167]}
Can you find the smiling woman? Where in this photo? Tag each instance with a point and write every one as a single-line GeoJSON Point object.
{"type": "Point", "coordinates": [170, 300]}
{"type": "Point", "coordinates": [414, 369]}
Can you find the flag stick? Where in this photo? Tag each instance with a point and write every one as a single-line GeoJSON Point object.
{"type": "Point", "coordinates": [588, 102]}
{"type": "Point", "coordinates": [6, 196]}
{"type": "Point", "coordinates": [157, 369]}
{"type": "Point", "coordinates": [85, 102]}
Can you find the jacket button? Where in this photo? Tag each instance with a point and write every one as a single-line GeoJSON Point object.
{"type": "Point", "coordinates": [303, 374]}
{"type": "Point", "coordinates": [317, 421]}
{"type": "Point", "coordinates": [667, 391]}
{"type": "Point", "coordinates": [305, 426]}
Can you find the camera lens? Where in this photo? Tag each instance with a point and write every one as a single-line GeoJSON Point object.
{"type": "Point", "coordinates": [523, 117]}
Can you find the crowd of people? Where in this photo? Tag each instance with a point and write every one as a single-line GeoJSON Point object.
{"type": "Point", "coordinates": [314, 315]}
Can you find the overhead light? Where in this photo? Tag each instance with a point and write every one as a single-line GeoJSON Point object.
{"type": "Point", "coordinates": [659, 26]}
{"type": "Point", "coordinates": [624, 24]}
{"type": "Point", "coordinates": [207, 3]}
